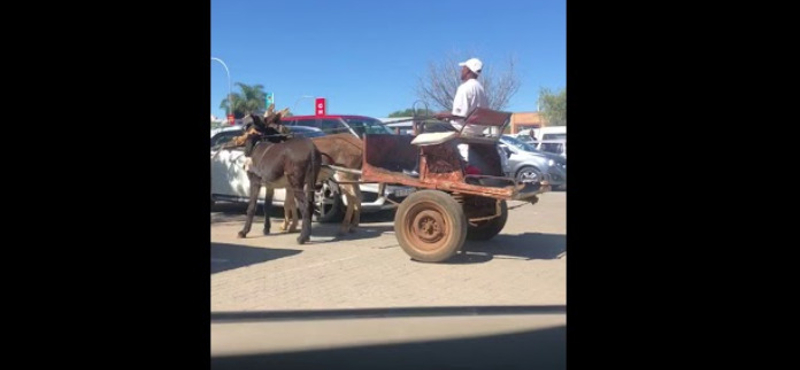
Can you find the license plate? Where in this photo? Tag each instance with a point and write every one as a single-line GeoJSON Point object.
{"type": "Point", "coordinates": [404, 192]}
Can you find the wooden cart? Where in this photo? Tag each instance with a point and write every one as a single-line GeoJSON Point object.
{"type": "Point", "coordinates": [454, 201]}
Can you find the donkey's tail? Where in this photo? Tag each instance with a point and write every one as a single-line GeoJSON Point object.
{"type": "Point", "coordinates": [312, 171]}
{"type": "Point", "coordinates": [333, 161]}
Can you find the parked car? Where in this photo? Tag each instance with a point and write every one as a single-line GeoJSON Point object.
{"type": "Point", "coordinates": [229, 181]}
{"type": "Point", "coordinates": [526, 162]}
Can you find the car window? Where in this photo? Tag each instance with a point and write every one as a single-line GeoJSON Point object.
{"type": "Point", "coordinates": [364, 126]}
{"type": "Point", "coordinates": [310, 134]}
{"type": "Point", "coordinates": [307, 122]}
{"type": "Point", "coordinates": [553, 147]}
{"type": "Point", "coordinates": [519, 143]}
{"type": "Point", "coordinates": [554, 137]}
{"type": "Point", "coordinates": [305, 131]}
{"type": "Point", "coordinates": [333, 126]}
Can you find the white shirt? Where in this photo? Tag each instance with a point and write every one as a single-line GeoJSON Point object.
{"type": "Point", "coordinates": [470, 95]}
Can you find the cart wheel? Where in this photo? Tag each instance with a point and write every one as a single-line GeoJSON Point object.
{"type": "Point", "coordinates": [489, 228]}
{"type": "Point", "coordinates": [430, 226]}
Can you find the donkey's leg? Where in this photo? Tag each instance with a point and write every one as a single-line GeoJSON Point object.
{"type": "Point", "coordinates": [347, 191]}
{"type": "Point", "coordinates": [289, 212]}
{"type": "Point", "coordinates": [303, 200]}
{"type": "Point", "coordinates": [294, 218]}
{"type": "Point", "coordinates": [255, 188]}
{"type": "Point", "coordinates": [289, 198]}
{"type": "Point", "coordinates": [353, 193]}
{"type": "Point", "coordinates": [309, 209]}
{"type": "Point", "coordinates": [304, 186]}
{"type": "Point", "coordinates": [357, 205]}
{"type": "Point", "coordinates": [267, 206]}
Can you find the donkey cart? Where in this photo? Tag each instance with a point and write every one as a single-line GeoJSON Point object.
{"type": "Point", "coordinates": [454, 200]}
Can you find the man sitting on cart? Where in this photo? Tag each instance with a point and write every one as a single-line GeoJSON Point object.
{"type": "Point", "coordinates": [470, 95]}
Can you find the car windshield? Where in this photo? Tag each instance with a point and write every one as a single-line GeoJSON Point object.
{"type": "Point", "coordinates": [364, 126]}
{"type": "Point", "coordinates": [519, 144]}
{"type": "Point", "coordinates": [305, 131]}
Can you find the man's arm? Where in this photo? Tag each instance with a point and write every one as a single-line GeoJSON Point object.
{"type": "Point", "coordinates": [446, 115]}
{"type": "Point", "coordinates": [460, 103]}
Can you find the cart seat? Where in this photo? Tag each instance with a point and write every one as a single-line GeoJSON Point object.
{"type": "Point", "coordinates": [433, 138]}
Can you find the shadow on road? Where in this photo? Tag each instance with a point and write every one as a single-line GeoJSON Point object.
{"type": "Point", "coordinates": [235, 212]}
{"type": "Point", "coordinates": [231, 256]}
{"type": "Point", "coordinates": [530, 349]}
{"type": "Point", "coordinates": [332, 231]}
{"type": "Point", "coordinates": [527, 246]}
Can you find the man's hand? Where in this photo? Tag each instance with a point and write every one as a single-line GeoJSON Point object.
{"type": "Point", "coordinates": [442, 115]}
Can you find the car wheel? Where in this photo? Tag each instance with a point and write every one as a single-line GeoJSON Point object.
{"type": "Point", "coordinates": [327, 204]}
{"type": "Point", "coordinates": [529, 174]}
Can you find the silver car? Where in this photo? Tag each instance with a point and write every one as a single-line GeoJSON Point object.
{"type": "Point", "coordinates": [525, 163]}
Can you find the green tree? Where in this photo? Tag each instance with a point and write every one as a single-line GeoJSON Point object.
{"type": "Point", "coordinates": [251, 99]}
{"type": "Point", "coordinates": [410, 113]}
{"type": "Point", "coordinates": [553, 106]}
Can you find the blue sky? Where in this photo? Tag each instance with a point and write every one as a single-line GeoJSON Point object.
{"type": "Point", "coordinates": [365, 57]}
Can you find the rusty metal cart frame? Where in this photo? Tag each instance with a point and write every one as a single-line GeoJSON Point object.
{"type": "Point", "coordinates": [450, 204]}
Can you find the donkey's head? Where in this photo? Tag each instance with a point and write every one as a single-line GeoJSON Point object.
{"type": "Point", "coordinates": [255, 126]}
{"type": "Point", "coordinates": [273, 119]}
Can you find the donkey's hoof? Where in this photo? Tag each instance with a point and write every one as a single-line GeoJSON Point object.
{"type": "Point", "coordinates": [302, 240]}
{"type": "Point", "coordinates": [353, 230]}
{"type": "Point", "coordinates": [266, 231]}
{"type": "Point", "coordinates": [241, 235]}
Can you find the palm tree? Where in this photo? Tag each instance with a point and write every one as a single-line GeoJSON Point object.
{"type": "Point", "coordinates": [251, 99]}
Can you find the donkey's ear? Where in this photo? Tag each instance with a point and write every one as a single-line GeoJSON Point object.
{"type": "Point", "coordinates": [283, 112]}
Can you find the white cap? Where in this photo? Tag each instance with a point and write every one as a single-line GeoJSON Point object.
{"type": "Point", "coordinates": [474, 65]}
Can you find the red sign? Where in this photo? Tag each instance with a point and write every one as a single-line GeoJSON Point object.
{"type": "Point", "coordinates": [230, 119]}
{"type": "Point", "coordinates": [319, 107]}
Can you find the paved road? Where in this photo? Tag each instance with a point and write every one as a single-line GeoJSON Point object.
{"type": "Point", "coordinates": [524, 265]}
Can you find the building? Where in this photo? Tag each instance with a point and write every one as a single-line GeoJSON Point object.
{"type": "Point", "coordinates": [526, 120]}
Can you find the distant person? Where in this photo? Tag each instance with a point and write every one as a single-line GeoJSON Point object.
{"type": "Point", "coordinates": [534, 140]}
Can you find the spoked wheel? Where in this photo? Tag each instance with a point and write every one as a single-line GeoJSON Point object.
{"type": "Point", "coordinates": [327, 204]}
{"type": "Point", "coordinates": [430, 226]}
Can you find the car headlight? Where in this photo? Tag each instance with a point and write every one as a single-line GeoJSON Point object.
{"type": "Point", "coordinates": [551, 163]}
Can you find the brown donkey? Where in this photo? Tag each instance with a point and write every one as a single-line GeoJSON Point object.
{"type": "Point", "coordinates": [343, 150]}
{"type": "Point", "coordinates": [281, 163]}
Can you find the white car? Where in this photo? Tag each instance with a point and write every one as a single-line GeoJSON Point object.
{"type": "Point", "coordinates": [229, 181]}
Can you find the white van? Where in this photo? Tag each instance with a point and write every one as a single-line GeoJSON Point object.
{"type": "Point", "coordinates": [552, 139]}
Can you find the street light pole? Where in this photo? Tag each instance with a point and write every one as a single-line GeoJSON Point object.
{"type": "Point", "coordinates": [301, 98]}
{"type": "Point", "coordinates": [230, 93]}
